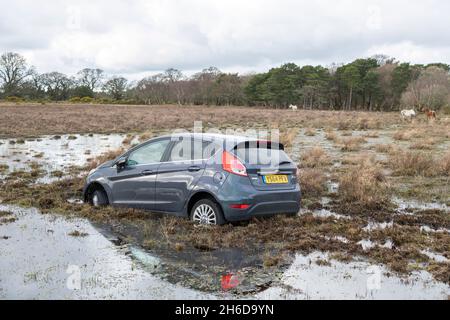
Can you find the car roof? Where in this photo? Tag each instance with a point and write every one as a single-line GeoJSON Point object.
{"type": "Point", "coordinates": [213, 136]}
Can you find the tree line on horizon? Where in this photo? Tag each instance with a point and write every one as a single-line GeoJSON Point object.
{"type": "Point", "coordinates": [377, 83]}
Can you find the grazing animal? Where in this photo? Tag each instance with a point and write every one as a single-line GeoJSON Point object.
{"type": "Point", "coordinates": [293, 108]}
{"type": "Point", "coordinates": [431, 114]}
{"type": "Point", "coordinates": [408, 114]}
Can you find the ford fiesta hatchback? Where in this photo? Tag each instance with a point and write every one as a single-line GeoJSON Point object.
{"type": "Point", "coordinates": [212, 179]}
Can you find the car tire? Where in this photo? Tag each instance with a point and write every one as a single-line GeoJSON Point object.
{"type": "Point", "coordinates": [207, 212]}
{"type": "Point", "coordinates": [98, 198]}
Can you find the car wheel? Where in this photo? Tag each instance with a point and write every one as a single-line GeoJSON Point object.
{"type": "Point", "coordinates": [99, 198]}
{"type": "Point", "coordinates": [207, 212]}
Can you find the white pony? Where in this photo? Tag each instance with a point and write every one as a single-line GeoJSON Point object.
{"type": "Point", "coordinates": [293, 108]}
{"type": "Point", "coordinates": [408, 114]}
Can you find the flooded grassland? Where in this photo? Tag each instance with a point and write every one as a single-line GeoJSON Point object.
{"type": "Point", "coordinates": [376, 193]}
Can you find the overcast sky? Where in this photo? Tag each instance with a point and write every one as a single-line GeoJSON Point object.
{"type": "Point", "coordinates": [141, 37]}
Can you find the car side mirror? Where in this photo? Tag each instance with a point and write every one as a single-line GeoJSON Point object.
{"type": "Point", "coordinates": [121, 163]}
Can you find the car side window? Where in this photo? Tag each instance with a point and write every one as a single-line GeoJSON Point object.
{"type": "Point", "coordinates": [189, 149]}
{"type": "Point", "coordinates": [149, 153]}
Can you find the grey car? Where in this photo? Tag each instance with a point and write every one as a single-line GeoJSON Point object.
{"type": "Point", "coordinates": [209, 178]}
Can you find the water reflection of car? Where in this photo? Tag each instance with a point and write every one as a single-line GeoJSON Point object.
{"type": "Point", "coordinates": [212, 179]}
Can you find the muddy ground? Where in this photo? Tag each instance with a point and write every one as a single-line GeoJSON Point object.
{"type": "Point", "coordinates": [376, 193]}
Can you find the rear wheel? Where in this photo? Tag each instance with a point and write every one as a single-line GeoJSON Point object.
{"type": "Point", "coordinates": [98, 198]}
{"type": "Point", "coordinates": [207, 212]}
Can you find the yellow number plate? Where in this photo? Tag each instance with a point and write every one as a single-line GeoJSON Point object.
{"type": "Point", "coordinates": [275, 179]}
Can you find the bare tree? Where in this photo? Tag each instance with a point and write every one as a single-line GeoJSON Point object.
{"type": "Point", "coordinates": [116, 87]}
{"type": "Point", "coordinates": [13, 71]}
{"type": "Point", "coordinates": [431, 89]}
{"type": "Point", "coordinates": [173, 78]}
{"type": "Point", "coordinates": [90, 78]}
{"type": "Point", "coordinates": [57, 85]}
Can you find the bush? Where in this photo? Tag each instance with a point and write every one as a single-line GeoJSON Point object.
{"type": "Point", "coordinates": [14, 99]}
{"type": "Point", "coordinates": [104, 101]}
{"type": "Point", "coordinates": [86, 100]}
{"type": "Point", "coordinates": [75, 100]}
{"type": "Point", "coordinates": [446, 109]}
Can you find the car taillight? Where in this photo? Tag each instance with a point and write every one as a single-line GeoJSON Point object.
{"type": "Point", "coordinates": [239, 206]}
{"type": "Point", "coordinates": [232, 164]}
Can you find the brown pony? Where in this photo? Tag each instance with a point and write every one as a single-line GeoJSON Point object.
{"type": "Point", "coordinates": [430, 113]}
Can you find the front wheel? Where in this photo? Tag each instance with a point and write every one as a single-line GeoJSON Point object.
{"type": "Point", "coordinates": [99, 198]}
{"type": "Point", "coordinates": [207, 212]}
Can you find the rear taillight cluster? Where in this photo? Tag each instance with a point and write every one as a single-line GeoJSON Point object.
{"type": "Point", "coordinates": [232, 164]}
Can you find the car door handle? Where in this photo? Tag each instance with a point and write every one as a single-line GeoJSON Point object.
{"type": "Point", "coordinates": [194, 169]}
{"type": "Point", "coordinates": [147, 172]}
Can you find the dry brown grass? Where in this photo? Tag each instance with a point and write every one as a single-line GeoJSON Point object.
{"type": "Point", "coordinates": [364, 185]}
{"type": "Point", "coordinates": [312, 182]}
{"type": "Point", "coordinates": [35, 119]}
{"type": "Point", "coordinates": [331, 136]}
{"type": "Point", "coordinates": [310, 132]}
{"type": "Point", "coordinates": [444, 164]}
{"type": "Point", "coordinates": [111, 155]}
{"type": "Point", "coordinates": [408, 134]}
{"type": "Point", "coordinates": [288, 136]}
{"type": "Point", "coordinates": [384, 148]}
{"type": "Point", "coordinates": [314, 158]}
{"type": "Point", "coordinates": [413, 163]}
{"type": "Point", "coordinates": [423, 144]}
{"type": "Point", "coordinates": [352, 143]}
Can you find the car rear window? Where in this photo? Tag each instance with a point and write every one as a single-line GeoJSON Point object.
{"type": "Point", "coordinates": [262, 155]}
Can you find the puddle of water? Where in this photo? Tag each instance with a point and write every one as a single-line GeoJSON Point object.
{"type": "Point", "coordinates": [333, 187]}
{"type": "Point", "coordinates": [405, 205]}
{"type": "Point", "coordinates": [355, 280]}
{"type": "Point", "coordinates": [39, 260]}
{"type": "Point", "coordinates": [56, 154]}
{"type": "Point", "coordinates": [367, 244]}
{"type": "Point", "coordinates": [148, 261]}
{"type": "Point", "coordinates": [431, 230]}
{"type": "Point", "coordinates": [372, 225]}
{"type": "Point", "coordinates": [435, 256]}
{"type": "Point", "coordinates": [324, 213]}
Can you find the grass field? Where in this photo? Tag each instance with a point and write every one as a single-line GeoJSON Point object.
{"type": "Point", "coordinates": [366, 178]}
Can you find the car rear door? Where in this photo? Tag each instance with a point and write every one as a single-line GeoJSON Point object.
{"type": "Point", "coordinates": [134, 185]}
{"type": "Point", "coordinates": [179, 174]}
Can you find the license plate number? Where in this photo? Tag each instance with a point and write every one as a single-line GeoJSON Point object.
{"type": "Point", "coordinates": [275, 179]}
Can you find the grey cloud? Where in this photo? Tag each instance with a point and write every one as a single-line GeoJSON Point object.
{"type": "Point", "coordinates": [135, 37]}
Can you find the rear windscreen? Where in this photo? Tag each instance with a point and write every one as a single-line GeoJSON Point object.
{"type": "Point", "coordinates": [262, 156]}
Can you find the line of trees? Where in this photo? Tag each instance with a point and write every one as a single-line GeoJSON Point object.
{"type": "Point", "coordinates": [376, 83]}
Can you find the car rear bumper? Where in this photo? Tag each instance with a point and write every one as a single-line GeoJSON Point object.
{"type": "Point", "coordinates": [261, 203]}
